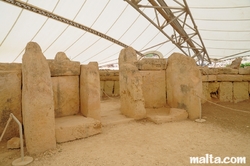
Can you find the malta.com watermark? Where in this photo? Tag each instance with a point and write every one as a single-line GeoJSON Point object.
{"type": "Point", "coordinates": [210, 159]}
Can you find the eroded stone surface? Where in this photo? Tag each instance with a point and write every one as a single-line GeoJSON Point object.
{"type": "Point", "coordinates": [13, 143]}
{"type": "Point", "coordinates": [184, 84]}
{"type": "Point", "coordinates": [62, 66]}
{"type": "Point", "coordinates": [90, 91]}
{"type": "Point", "coordinates": [66, 95]}
{"type": "Point", "coordinates": [226, 91]}
{"type": "Point", "coordinates": [153, 86]}
{"type": "Point", "coordinates": [76, 127]}
{"type": "Point", "coordinates": [240, 91]}
{"type": "Point", "coordinates": [131, 94]}
{"type": "Point", "coordinates": [10, 101]}
{"type": "Point", "coordinates": [37, 101]}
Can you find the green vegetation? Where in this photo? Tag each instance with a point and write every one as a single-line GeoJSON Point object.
{"type": "Point", "coordinates": [245, 64]}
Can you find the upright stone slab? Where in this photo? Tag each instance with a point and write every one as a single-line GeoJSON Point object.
{"type": "Point", "coordinates": [131, 95]}
{"type": "Point", "coordinates": [153, 86]}
{"type": "Point", "coordinates": [10, 100]}
{"type": "Point", "coordinates": [184, 84]}
{"type": "Point", "coordinates": [37, 101]}
{"type": "Point", "coordinates": [90, 91]}
{"type": "Point", "coordinates": [226, 91]}
{"type": "Point", "coordinates": [66, 95]}
{"type": "Point", "coordinates": [240, 91]}
{"type": "Point", "coordinates": [62, 66]}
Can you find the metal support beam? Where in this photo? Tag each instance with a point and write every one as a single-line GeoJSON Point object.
{"type": "Point", "coordinates": [48, 14]}
{"type": "Point", "coordinates": [183, 26]}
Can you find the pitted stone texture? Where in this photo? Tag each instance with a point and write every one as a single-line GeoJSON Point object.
{"type": "Point", "coordinates": [236, 63]}
{"type": "Point", "coordinates": [132, 100]}
{"type": "Point", "coordinates": [240, 91]}
{"type": "Point", "coordinates": [244, 71]}
{"type": "Point", "coordinates": [151, 64]}
{"type": "Point", "coordinates": [131, 94]}
{"type": "Point", "coordinates": [227, 70]}
{"type": "Point", "coordinates": [13, 143]}
{"type": "Point", "coordinates": [66, 95]}
{"type": "Point", "coordinates": [37, 101]}
{"type": "Point", "coordinates": [62, 66]}
{"type": "Point", "coordinates": [70, 128]}
{"type": "Point", "coordinates": [184, 84]}
{"type": "Point", "coordinates": [127, 55]}
{"type": "Point", "coordinates": [226, 91]}
{"type": "Point", "coordinates": [10, 101]}
{"type": "Point", "coordinates": [90, 91]}
{"type": "Point", "coordinates": [153, 86]}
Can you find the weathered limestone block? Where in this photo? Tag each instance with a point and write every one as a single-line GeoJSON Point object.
{"type": "Point", "coordinates": [210, 90]}
{"type": "Point", "coordinates": [245, 77]}
{"type": "Point", "coordinates": [244, 71]}
{"type": "Point", "coordinates": [229, 78]}
{"type": "Point", "coordinates": [209, 71]}
{"type": "Point", "coordinates": [10, 101]}
{"type": "Point", "coordinates": [127, 55]}
{"type": "Point", "coordinates": [209, 78]}
{"type": "Point", "coordinates": [37, 101]}
{"type": "Point", "coordinates": [175, 114]}
{"type": "Point", "coordinates": [236, 63]}
{"type": "Point", "coordinates": [70, 128]}
{"type": "Point", "coordinates": [117, 88]}
{"type": "Point", "coordinates": [184, 84]}
{"type": "Point", "coordinates": [151, 64]}
{"type": "Point", "coordinates": [62, 66]}
{"type": "Point", "coordinates": [153, 87]}
{"type": "Point", "coordinates": [226, 91]}
{"type": "Point", "coordinates": [205, 92]}
{"type": "Point", "coordinates": [109, 75]}
{"type": "Point", "coordinates": [13, 143]}
{"type": "Point", "coordinates": [66, 95]}
{"type": "Point", "coordinates": [240, 91]}
{"type": "Point", "coordinates": [109, 87]}
{"type": "Point", "coordinates": [11, 67]}
{"type": "Point", "coordinates": [213, 86]}
{"type": "Point", "coordinates": [90, 91]}
{"type": "Point", "coordinates": [131, 94]}
{"type": "Point", "coordinates": [102, 83]}
{"type": "Point", "coordinates": [227, 70]}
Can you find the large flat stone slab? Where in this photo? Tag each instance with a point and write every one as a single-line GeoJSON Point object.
{"type": "Point", "coordinates": [165, 115]}
{"type": "Point", "coordinates": [70, 128]}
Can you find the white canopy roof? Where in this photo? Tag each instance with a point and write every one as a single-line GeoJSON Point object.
{"type": "Point", "coordinates": [224, 26]}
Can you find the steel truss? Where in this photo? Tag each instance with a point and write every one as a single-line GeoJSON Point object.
{"type": "Point", "coordinates": [48, 14]}
{"type": "Point", "coordinates": [179, 20]}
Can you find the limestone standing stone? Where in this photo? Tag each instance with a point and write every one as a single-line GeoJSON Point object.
{"type": "Point", "coordinates": [62, 66]}
{"type": "Point", "coordinates": [240, 91]}
{"type": "Point", "coordinates": [90, 91]}
{"type": "Point", "coordinates": [10, 101]}
{"type": "Point", "coordinates": [109, 87]}
{"type": "Point", "coordinates": [184, 84]}
{"type": "Point", "coordinates": [37, 101]}
{"type": "Point", "coordinates": [66, 95]}
{"type": "Point", "coordinates": [131, 94]}
{"type": "Point", "coordinates": [153, 86]}
{"type": "Point", "coordinates": [226, 91]}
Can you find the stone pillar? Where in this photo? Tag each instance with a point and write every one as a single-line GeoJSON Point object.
{"type": "Point", "coordinates": [226, 91]}
{"type": "Point", "coordinates": [90, 91]}
{"type": "Point", "coordinates": [240, 91]}
{"type": "Point", "coordinates": [37, 101]}
{"type": "Point", "coordinates": [131, 94]}
{"type": "Point", "coordinates": [183, 84]}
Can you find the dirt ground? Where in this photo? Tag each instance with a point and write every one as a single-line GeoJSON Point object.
{"type": "Point", "coordinates": [143, 143]}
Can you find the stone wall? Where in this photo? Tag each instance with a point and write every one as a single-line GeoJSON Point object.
{"type": "Point", "coordinates": [224, 84]}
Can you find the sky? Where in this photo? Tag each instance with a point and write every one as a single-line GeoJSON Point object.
{"type": "Point", "coordinates": [224, 26]}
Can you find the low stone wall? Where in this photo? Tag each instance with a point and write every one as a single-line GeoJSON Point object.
{"type": "Point", "coordinates": [225, 84]}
